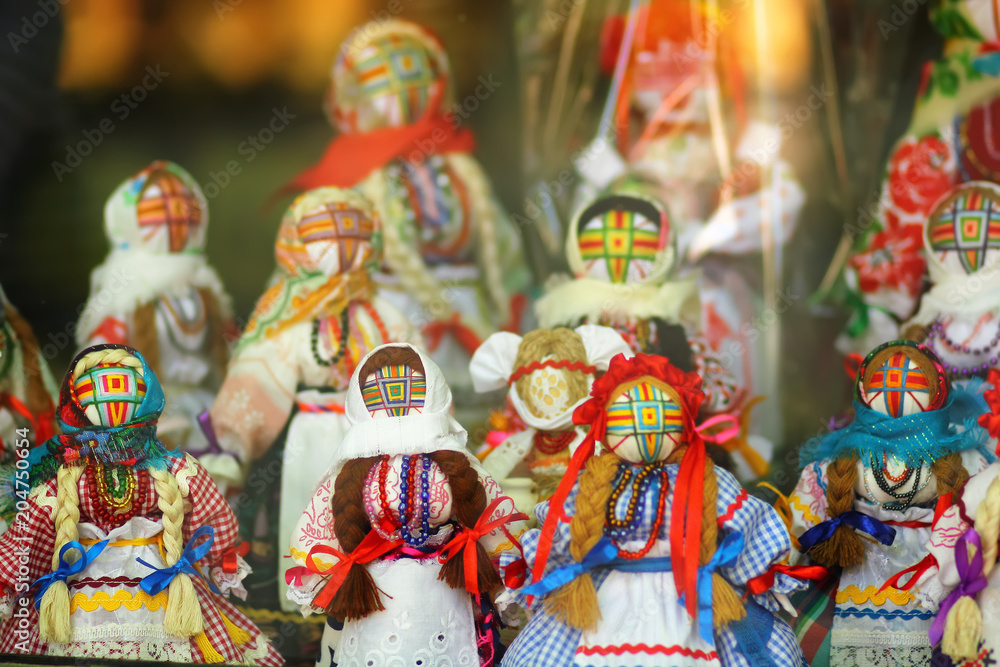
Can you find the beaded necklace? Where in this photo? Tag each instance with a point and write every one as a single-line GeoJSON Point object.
{"type": "Point", "coordinates": [119, 491]}
{"type": "Point", "coordinates": [937, 331]}
{"type": "Point", "coordinates": [890, 484]}
{"type": "Point", "coordinates": [553, 442]}
{"type": "Point", "coordinates": [640, 481]}
{"type": "Point", "coordinates": [408, 502]}
{"type": "Point", "coordinates": [342, 332]}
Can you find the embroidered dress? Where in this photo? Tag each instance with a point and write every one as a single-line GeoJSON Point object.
{"type": "Point", "coordinates": [113, 613]}
{"type": "Point", "coordinates": [643, 624]}
{"type": "Point", "coordinates": [295, 359]}
{"type": "Point", "coordinates": [156, 291]}
{"type": "Point", "coordinates": [411, 507]}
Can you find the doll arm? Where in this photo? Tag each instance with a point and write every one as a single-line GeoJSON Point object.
{"type": "Point", "coordinates": [314, 527]}
{"type": "Point", "coordinates": [504, 538]}
{"type": "Point", "coordinates": [257, 396]}
{"type": "Point", "coordinates": [26, 547]}
{"type": "Point", "coordinates": [808, 503]}
{"type": "Point", "coordinates": [501, 461]}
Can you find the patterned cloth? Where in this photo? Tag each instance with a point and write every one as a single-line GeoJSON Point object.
{"type": "Point", "coordinates": [548, 641]}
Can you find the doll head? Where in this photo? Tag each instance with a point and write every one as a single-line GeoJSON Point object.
{"type": "Point", "coordinates": [161, 210]}
{"type": "Point", "coordinates": [622, 239]}
{"type": "Point", "coordinates": [544, 381]}
{"type": "Point", "coordinates": [394, 383]}
{"type": "Point", "coordinates": [109, 392]}
{"type": "Point", "coordinates": [901, 378]}
{"type": "Point", "coordinates": [646, 423]}
{"type": "Point", "coordinates": [387, 75]}
{"type": "Point", "coordinates": [963, 233]}
{"type": "Point", "coordinates": [329, 232]}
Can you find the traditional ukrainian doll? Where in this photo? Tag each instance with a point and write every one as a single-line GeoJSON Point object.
{"type": "Point", "coordinates": [156, 292]}
{"type": "Point", "coordinates": [914, 439]}
{"type": "Point", "coordinates": [643, 558]}
{"type": "Point", "coordinates": [959, 315]}
{"type": "Point", "coordinates": [295, 360]}
{"type": "Point", "coordinates": [622, 252]}
{"type": "Point", "coordinates": [126, 542]}
{"type": "Point", "coordinates": [549, 372]}
{"type": "Point", "coordinates": [452, 260]}
{"type": "Point", "coordinates": [401, 540]}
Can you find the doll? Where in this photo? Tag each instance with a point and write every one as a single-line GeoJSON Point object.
{"type": "Point", "coordinates": [621, 249]}
{"type": "Point", "coordinates": [451, 258]}
{"type": "Point", "coordinates": [549, 373]}
{"type": "Point", "coordinates": [126, 544]}
{"type": "Point", "coordinates": [914, 439]}
{"type": "Point", "coordinates": [949, 141]}
{"type": "Point", "coordinates": [298, 352]}
{"type": "Point", "coordinates": [156, 292]}
{"type": "Point", "coordinates": [401, 539]}
{"type": "Point", "coordinates": [643, 558]}
{"type": "Point", "coordinates": [959, 316]}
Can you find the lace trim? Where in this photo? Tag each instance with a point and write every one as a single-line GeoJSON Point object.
{"type": "Point", "coordinates": [125, 650]}
{"type": "Point", "coordinates": [859, 656]}
{"type": "Point", "coordinates": [861, 639]}
{"type": "Point", "coordinates": [116, 631]}
{"type": "Point", "coordinates": [872, 594]}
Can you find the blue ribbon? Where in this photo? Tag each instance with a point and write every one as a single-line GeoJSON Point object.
{"type": "Point", "coordinates": [161, 578]}
{"type": "Point", "coordinates": [601, 554]}
{"type": "Point", "coordinates": [66, 570]}
{"type": "Point", "coordinates": [823, 531]}
{"type": "Point", "coordinates": [725, 556]}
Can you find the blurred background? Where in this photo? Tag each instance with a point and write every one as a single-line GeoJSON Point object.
{"type": "Point", "coordinates": [193, 80]}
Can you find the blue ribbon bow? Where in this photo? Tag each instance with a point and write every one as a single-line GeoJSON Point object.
{"type": "Point", "coordinates": [161, 578]}
{"type": "Point", "coordinates": [601, 554]}
{"type": "Point", "coordinates": [725, 556]}
{"type": "Point", "coordinates": [66, 570]}
{"type": "Point", "coordinates": [824, 530]}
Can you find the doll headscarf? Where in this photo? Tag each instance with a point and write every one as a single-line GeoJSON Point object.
{"type": "Point", "coordinates": [132, 442]}
{"type": "Point", "coordinates": [965, 224]}
{"type": "Point", "coordinates": [621, 249]}
{"type": "Point", "coordinates": [911, 439]}
{"type": "Point", "coordinates": [302, 290]}
{"type": "Point", "coordinates": [156, 223]}
{"type": "Point", "coordinates": [389, 88]}
{"type": "Point", "coordinates": [686, 512]}
{"type": "Point", "coordinates": [492, 368]}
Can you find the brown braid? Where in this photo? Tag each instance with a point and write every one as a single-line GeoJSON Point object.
{"type": "Point", "coordinates": [468, 504]}
{"type": "Point", "coordinates": [845, 547]}
{"type": "Point", "coordinates": [358, 596]}
{"type": "Point", "coordinates": [951, 475]}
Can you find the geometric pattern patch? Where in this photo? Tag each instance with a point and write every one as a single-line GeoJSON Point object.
{"type": "Point", "coordinates": [648, 414]}
{"type": "Point", "coordinates": [116, 391]}
{"type": "Point", "coordinates": [969, 226]}
{"type": "Point", "coordinates": [438, 200]}
{"type": "Point", "coordinates": [397, 68]}
{"type": "Point", "coordinates": [620, 244]}
{"type": "Point", "coordinates": [336, 225]}
{"type": "Point", "coordinates": [396, 389]}
{"type": "Point", "coordinates": [167, 202]}
{"type": "Point", "coordinates": [894, 381]}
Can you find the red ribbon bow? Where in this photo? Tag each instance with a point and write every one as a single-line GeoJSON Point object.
{"type": "Point", "coordinates": [764, 582]}
{"type": "Point", "coordinates": [465, 541]}
{"type": "Point", "coordinates": [229, 561]}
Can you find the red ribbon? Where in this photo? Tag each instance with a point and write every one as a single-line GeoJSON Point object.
{"type": "Point", "coordinates": [515, 574]}
{"type": "Point", "coordinates": [465, 542]}
{"type": "Point", "coordinates": [991, 420]}
{"type": "Point", "coordinates": [466, 337]}
{"type": "Point", "coordinates": [229, 561]}
{"type": "Point", "coordinates": [764, 582]}
{"type": "Point", "coordinates": [852, 363]}
{"type": "Point", "coordinates": [896, 580]}
{"type": "Point", "coordinates": [372, 547]}
{"type": "Point", "coordinates": [564, 364]}
{"type": "Point", "coordinates": [42, 423]}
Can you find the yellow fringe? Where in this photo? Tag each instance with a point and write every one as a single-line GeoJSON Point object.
{"type": "Point", "coordinates": [112, 603]}
{"type": "Point", "coordinates": [239, 636]}
{"type": "Point", "coordinates": [208, 651]}
{"type": "Point", "coordinates": [872, 594]}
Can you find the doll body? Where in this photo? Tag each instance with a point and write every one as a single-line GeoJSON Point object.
{"type": "Point", "coordinates": [948, 143]}
{"type": "Point", "coordinates": [156, 292]}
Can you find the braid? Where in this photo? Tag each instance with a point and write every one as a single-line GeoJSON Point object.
{"type": "Point", "coordinates": [844, 548]}
{"type": "Point", "coordinates": [111, 356]}
{"type": "Point", "coordinates": [358, 596]}
{"type": "Point", "coordinates": [468, 504]}
{"type": "Point", "coordinates": [184, 617]}
{"type": "Point", "coordinates": [576, 602]}
{"type": "Point", "coordinates": [54, 617]}
{"type": "Point", "coordinates": [988, 524]}
{"type": "Point", "coordinates": [561, 343]}
{"type": "Point", "coordinates": [950, 474]}
{"type": "Point", "coordinates": [726, 604]}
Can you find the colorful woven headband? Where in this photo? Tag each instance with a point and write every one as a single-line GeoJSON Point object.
{"type": "Point", "coordinates": [564, 364]}
{"type": "Point", "coordinates": [923, 357]}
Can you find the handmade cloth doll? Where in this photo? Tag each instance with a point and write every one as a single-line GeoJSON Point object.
{"type": "Point", "coordinates": [622, 251]}
{"type": "Point", "coordinates": [156, 292]}
{"type": "Point", "coordinates": [949, 141]}
{"type": "Point", "coordinates": [400, 541]}
{"type": "Point", "coordinates": [866, 498]}
{"type": "Point", "coordinates": [298, 352]}
{"type": "Point", "coordinates": [959, 316]}
{"type": "Point", "coordinates": [452, 261]}
{"type": "Point", "coordinates": [549, 372]}
{"type": "Point", "coordinates": [124, 548]}
{"type": "Point", "coordinates": [646, 551]}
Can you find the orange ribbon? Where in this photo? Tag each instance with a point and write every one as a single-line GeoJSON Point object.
{"type": "Point", "coordinates": [462, 333]}
{"type": "Point", "coordinates": [465, 542]}
{"type": "Point", "coordinates": [764, 582]}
